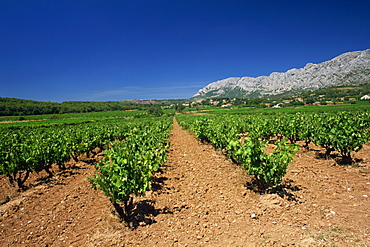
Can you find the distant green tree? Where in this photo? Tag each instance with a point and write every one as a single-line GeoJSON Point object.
{"type": "Point", "coordinates": [179, 107]}
{"type": "Point", "coordinates": [255, 101]}
{"type": "Point", "coordinates": [206, 102]}
{"type": "Point", "coordinates": [309, 101]}
{"type": "Point", "coordinates": [155, 110]}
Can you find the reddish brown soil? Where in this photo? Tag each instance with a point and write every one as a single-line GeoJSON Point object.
{"type": "Point", "coordinates": [199, 199]}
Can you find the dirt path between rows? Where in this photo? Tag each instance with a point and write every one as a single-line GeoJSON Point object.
{"type": "Point", "coordinates": [200, 199]}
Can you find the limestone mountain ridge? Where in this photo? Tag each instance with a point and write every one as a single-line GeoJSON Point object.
{"type": "Point", "coordinates": [351, 68]}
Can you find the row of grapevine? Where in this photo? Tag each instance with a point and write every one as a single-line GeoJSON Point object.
{"type": "Point", "coordinates": [127, 167]}
{"type": "Point", "coordinates": [226, 133]}
{"type": "Point", "coordinates": [33, 149]}
{"type": "Point", "coordinates": [344, 132]}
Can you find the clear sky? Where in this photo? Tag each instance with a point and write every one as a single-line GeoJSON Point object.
{"type": "Point", "coordinates": [101, 50]}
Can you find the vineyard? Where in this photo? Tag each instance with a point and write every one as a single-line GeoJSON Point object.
{"type": "Point", "coordinates": [219, 179]}
{"type": "Point", "coordinates": [343, 132]}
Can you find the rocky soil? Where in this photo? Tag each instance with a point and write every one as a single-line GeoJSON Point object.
{"type": "Point", "coordinates": [198, 199]}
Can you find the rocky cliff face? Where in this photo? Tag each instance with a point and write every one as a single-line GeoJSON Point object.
{"type": "Point", "coordinates": [348, 68]}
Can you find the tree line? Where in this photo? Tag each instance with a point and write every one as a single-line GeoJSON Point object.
{"type": "Point", "coordinates": [21, 107]}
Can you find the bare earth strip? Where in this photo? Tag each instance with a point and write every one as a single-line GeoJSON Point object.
{"type": "Point", "coordinates": [200, 199]}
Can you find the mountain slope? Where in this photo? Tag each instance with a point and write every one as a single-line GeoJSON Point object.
{"type": "Point", "coordinates": [348, 68]}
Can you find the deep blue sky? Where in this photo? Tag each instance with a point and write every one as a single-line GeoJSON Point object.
{"type": "Point", "coordinates": [101, 50]}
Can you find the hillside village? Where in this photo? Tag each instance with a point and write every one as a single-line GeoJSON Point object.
{"type": "Point", "coordinates": [329, 96]}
